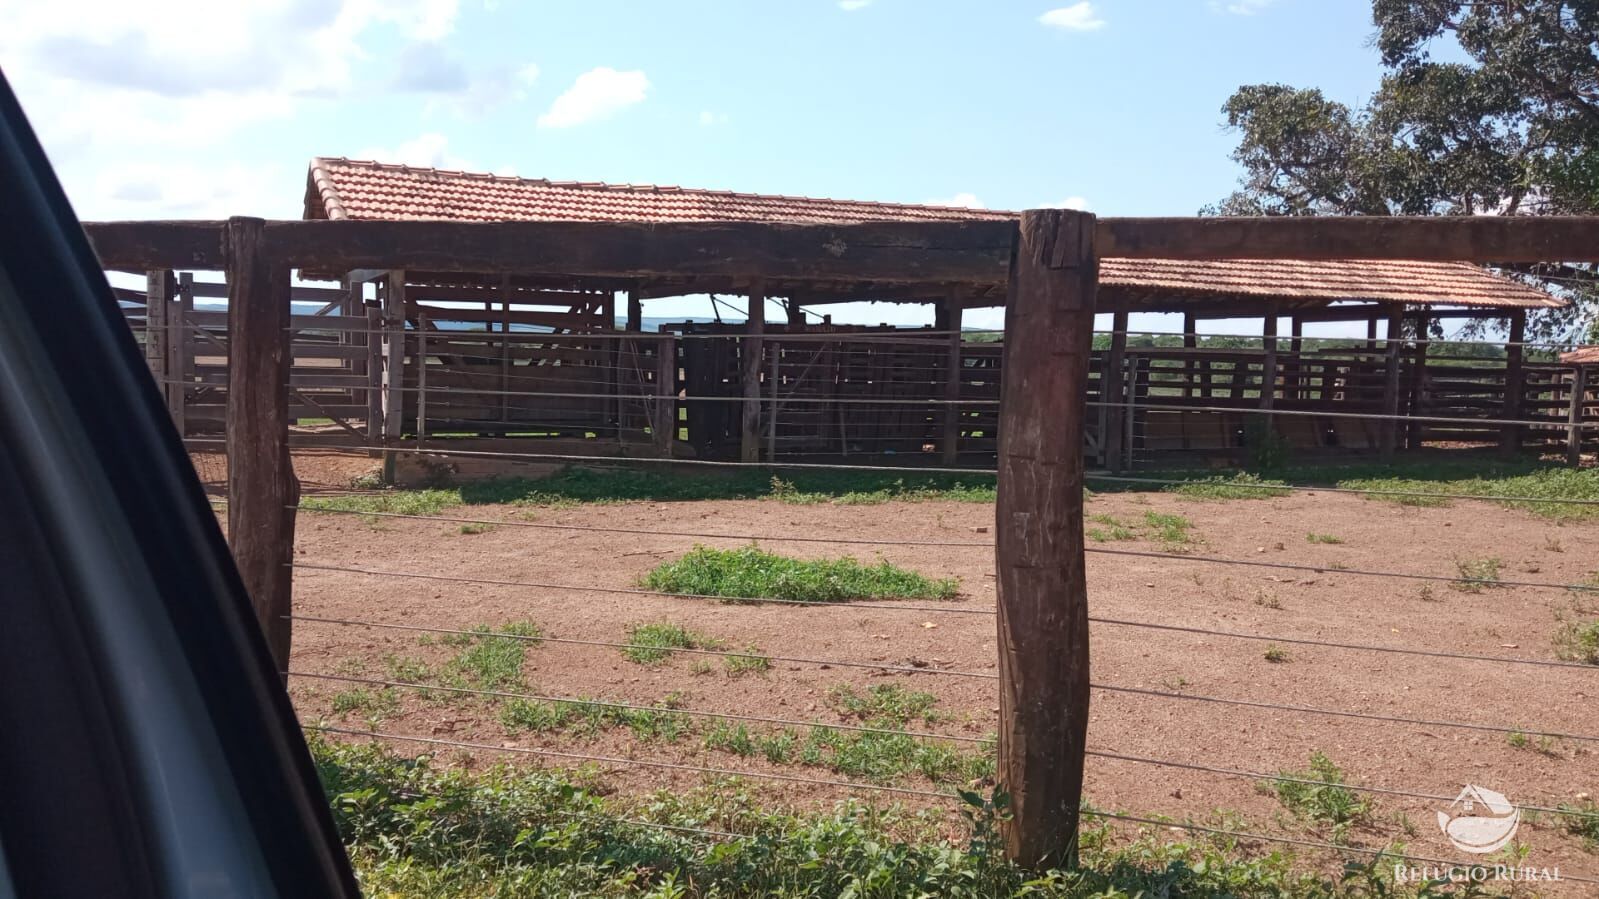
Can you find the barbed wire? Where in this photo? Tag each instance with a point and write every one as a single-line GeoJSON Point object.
{"type": "Point", "coordinates": [1108, 688]}
{"type": "Point", "coordinates": [890, 604]}
{"type": "Point", "coordinates": [879, 731]}
{"type": "Point", "coordinates": [720, 653]}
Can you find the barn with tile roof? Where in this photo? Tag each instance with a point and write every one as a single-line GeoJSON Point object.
{"type": "Point", "coordinates": [503, 353]}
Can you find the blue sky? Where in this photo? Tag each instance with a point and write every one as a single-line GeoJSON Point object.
{"type": "Point", "coordinates": [204, 109]}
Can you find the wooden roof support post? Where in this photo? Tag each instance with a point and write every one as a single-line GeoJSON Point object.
{"type": "Point", "coordinates": [751, 350]}
{"type": "Point", "coordinates": [1268, 362]}
{"type": "Point", "coordinates": [949, 319]}
{"type": "Point", "coordinates": [393, 368]}
{"type": "Point", "coordinates": [1191, 341]}
{"type": "Point", "coordinates": [181, 353]}
{"type": "Point", "coordinates": [1043, 598]}
{"type": "Point", "coordinates": [1515, 383]}
{"type": "Point", "coordinates": [1574, 411]}
{"type": "Point", "coordinates": [1390, 387]}
{"type": "Point", "coordinates": [1115, 395]}
{"type": "Point", "coordinates": [635, 308]}
{"type": "Point", "coordinates": [1413, 386]}
{"type": "Point", "coordinates": [157, 303]}
{"type": "Point", "coordinates": [262, 488]}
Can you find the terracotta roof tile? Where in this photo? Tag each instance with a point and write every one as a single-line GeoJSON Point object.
{"type": "Point", "coordinates": [1588, 355]}
{"type": "Point", "coordinates": [340, 188]}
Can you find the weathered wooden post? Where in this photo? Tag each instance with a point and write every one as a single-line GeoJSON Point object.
{"type": "Point", "coordinates": [664, 427]}
{"type": "Point", "coordinates": [394, 310]}
{"type": "Point", "coordinates": [1390, 385]}
{"type": "Point", "coordinates": [1113, 396]}
{"type": "Point", "coordinates": [262, 488]}
{"type": "Point", "coordinates": [1043, 599]}
{"type": "Point", "coordinates": [751, 350]}
{"type": "Point", "coordinates": [949, 319]}
{"type": "Point", "coordinates": [1268, 361]}
{"type": "Point", "coordinates": [1515, 383]}
{"type": "Point", "coordinates": [1579, 400]}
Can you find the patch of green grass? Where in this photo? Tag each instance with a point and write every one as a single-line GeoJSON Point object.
{"type": "Point", "coordinates": [416, 829]}
{"type": "Point", "coordinates": [1326, 800]}
{"type": "Point", "coordinates": [1112, 529]}
{"type": "Point", "coordinates": [394, 502]}
{"type": "Point", "coordinates": [1330, 539]}
{"type": "Point", "coordinates": [588, 717]}
{"type": "Point", "coordinates": [1581, 820]}
{"type": "Point", "coordinates": [473, 527]}
{"type": "Point", "coordinates": [752, 663]}
{"type": "Point", "coordinates": [1276, 654]}
{"type": "Point", "coordinates": [1578, 642]}
{"type": "Point", "coordinates": [751, 573]}
{"type": "Point", "coordinates": [375, 704]}
{"type": "Point", "coordinates": [1243, 485]}
{"type": "Point", "coordinates": [652, 644]}
{"type": "Point", "coordinates": [880, 704]}
{"type": "Point", "coordinates": [1477, 574]}
{"type": "Point", "coordinates": [1543, 488]}
{"type": "Point", "coordinates": [490, 659]}
{"type": "Point", "coordinates": [1171, 531]}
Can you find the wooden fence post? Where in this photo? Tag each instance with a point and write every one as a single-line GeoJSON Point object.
{"type": "Point", "coordinates": [664, 427]}
{"type": "Point", "coordinates": [751, 350]}
{"type": "Point", "coordinates": [262, 488]}
{"type": "Point", "coordinates": [1574, 414]}
{"type": "Point", "coordinates": [1268, 362]}
{"type": "Point", "coordinates": [394, 309]}
{"type": "Point", "coordinates": [1114, 396]}
{"type": "Point", "coordinates": [157, 306]}
{"type": "Point", "coordinates": [1515, 383]}
{"type": "Point", "coordinates": [1043, 599]}
{"type": "Point", "coordinates": [1390, 388]}
{"type": "Point", "coordinates": [949, 315]}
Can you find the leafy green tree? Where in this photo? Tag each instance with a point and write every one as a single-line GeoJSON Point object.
{"type": "Point", "coordinates": [1486, 106]}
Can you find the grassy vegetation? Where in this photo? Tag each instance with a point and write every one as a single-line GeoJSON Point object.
{"type": "Point", "coordinates": [1172, 532]}
{"type": "Point", "coordinates": [1477, 574]}
{"type": "Point", "coordinates": [652, 644]}
{"type": "Point", "coordinates": [1331, 539]}
{"type": "Point", "coordinates": [1578, 641]}
{"type": "Point", "coordinates": [1325, 800]}
{"type": "Point", "coordinates": [578, 485]}
{"type": "Point", "coordinates": [415, 830]}
{"type": "Point", "coordinates": [1243, 485]}
{"type": "Point", "coordinates": [751, 573]}
{"type": "Point", "coordinates": [1581, 819]}
{"type": "Point", "coordinates": [889, 705]}
{"type": "Point", "coordinates": [1276, 654]}
{"type": "Point", "coordinates": [1109, 529]}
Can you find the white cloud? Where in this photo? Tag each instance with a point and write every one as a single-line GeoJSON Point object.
{"type": "Point", "coordinates": [852, 5]}
{"type": "Point", "coordinates": [709, 119]}
{"type": "Point", "coordinates": [430, 150]}
{"type": "Point", "coordinates": [146, 190]}
{"type": "Point", "coordinates": [1077, 17]}
{"type": "Point", "coordinates": [1078, 203]}
{"type": "Point", "coordinates": [596, 94]}
{"type": "Point", "coordinates": [1240, 7]}
{"type": "Point", "coordinates": [961, 200]}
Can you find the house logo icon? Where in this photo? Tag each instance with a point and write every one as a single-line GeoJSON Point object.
{"type": "Point", "coordinates": [1480, 820]}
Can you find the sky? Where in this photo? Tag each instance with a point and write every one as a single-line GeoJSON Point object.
{"type": "Point", "coordinates": [204, 109]}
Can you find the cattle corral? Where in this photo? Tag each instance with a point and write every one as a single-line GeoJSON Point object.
{"type": "Point", "coordinates": [1486, 693]}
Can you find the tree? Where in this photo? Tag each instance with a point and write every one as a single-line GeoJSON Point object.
{"type": "Point", "coordinates": [1514, 130]}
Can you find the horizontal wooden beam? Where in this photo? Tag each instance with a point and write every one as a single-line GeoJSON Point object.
{"type": "Point", "coordinates": [147, 246]}
{"type": "Point", "coordinates": [1462, 238]}
{"type": "Point", "coordinates": [965, 252]}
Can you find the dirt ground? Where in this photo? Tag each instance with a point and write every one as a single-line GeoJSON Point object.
{"type": "Point", "coordinates": [1169, 589]}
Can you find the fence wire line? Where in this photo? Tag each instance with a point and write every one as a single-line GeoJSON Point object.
{"type": "Point", "coordinates": [851, 785]}
{"type": "Point", "coordinates": [1108, 688]}
{"type": "Point", "coordinates": [913, 336]}
{"type": "Point", "coordinates": [1324, 569]}
{"type": "Point", "coordinates": [924, 735]}
{"type": "Point", "coordinates": [934, 402]}
{"type": "Point", "coordinates": [646, 763]}
{"type": "Point", "coordinates": [890, 605]}
{"type": "Point", "coordinates": [722, 653]}
{"type": "Point", "coordinates": [1309, 488]}
{"type": "Point", "coordinates": [626, 591]}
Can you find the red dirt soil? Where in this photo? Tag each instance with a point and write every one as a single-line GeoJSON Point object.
{"type": "Point", "coordinates": [1169, 589]}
